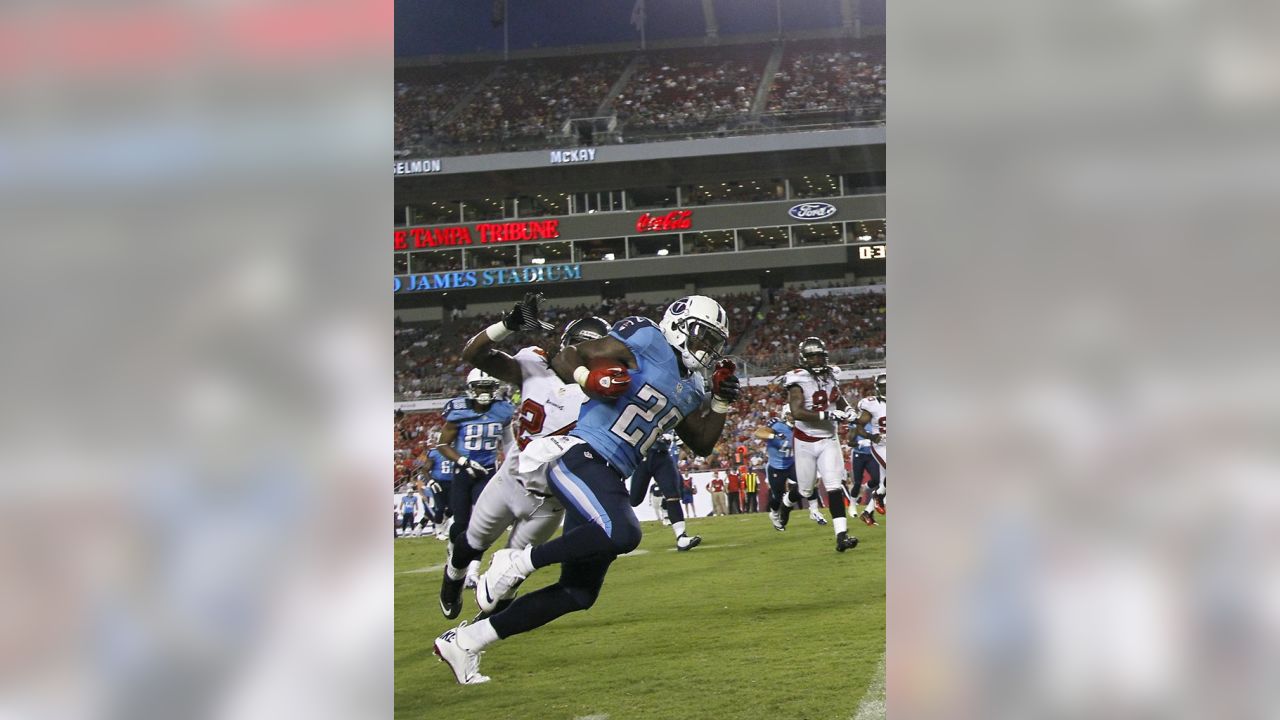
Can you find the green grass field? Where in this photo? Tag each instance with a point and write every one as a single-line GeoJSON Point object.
{"type": "Point", "coordinates": [752, 624]}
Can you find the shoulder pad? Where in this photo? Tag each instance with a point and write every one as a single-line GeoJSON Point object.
{"type": "Point", "coordinates": [626, 327]}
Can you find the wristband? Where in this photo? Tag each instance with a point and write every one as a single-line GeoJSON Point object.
{"type": "Point", "coordinates": [497, 331]}
{"type": "Point", "coordinates": [580, 375]}
{"type": "Point", "coordinates": [822, 415]}
{"type": "Point", "coordinates": [719, 406]}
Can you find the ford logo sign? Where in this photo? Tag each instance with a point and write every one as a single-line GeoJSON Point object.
{"type": "Point", "coordinates": [812, 211]}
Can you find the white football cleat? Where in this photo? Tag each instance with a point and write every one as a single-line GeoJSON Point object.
{"type": "Point", "coordinates": [816, 515]}
{"type": "Point", "coordinates": [473, 574]}
{"type": "Point", "coordinates": [501, 579]}
{"type": "Point", "coordinates": [464, 664]}
{"type": "Point", "coordinates": [776, 518]}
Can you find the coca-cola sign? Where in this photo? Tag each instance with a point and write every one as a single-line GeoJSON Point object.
{"type": "Point", "coordinates": [812, 211]}
{"type": "Point", "coordinates": [674, 220]}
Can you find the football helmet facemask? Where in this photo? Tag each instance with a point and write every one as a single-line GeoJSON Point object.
{"type": "Point", "coordinates": [695, 326]}
{"type": "Point", "coordinates": [583, 329]}
{"type": "Point", "coordinates": [813, 354]}
{"type": "Point", "coordinates": [481, 387]}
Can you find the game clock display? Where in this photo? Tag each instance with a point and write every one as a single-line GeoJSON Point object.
{"type": "Point", "coordinates": [871, 252]}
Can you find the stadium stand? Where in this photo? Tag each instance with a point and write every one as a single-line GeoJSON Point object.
{"type": "Point", "coordinates": [468, 108]}
{"type": "Point", "coordinates": [815, 80]}
{"type": "Point", "coordinates": [688, 90]}
{"type": "Point", "coordinates": [851, 325]}
{"type": "Point", "coordinates": [530, 100]}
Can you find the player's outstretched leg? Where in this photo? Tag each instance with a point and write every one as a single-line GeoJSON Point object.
{"type": "Point", "coordinates": [867, 516]}
{"type": "Point", "coordinates": [835, 500]}
{"type": "Point", "coordinates": [815, 513]}
{"type": "Point", "coordinates": [451, 585]}
{"type": "Point", "coordinates": [577, 589]}
{"type": "Point", "coordinates": [675, 514]}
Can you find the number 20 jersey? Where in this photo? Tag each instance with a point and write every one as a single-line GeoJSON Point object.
{"type": "Point", "coordinates": [820, 392]}
{"type": "Point", "coordinates": [658, 398]}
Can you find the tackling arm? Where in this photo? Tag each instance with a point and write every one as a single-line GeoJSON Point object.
{"type": "Point", "coordinates": [482, 352]}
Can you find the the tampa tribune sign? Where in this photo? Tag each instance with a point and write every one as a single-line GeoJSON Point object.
{"type": "Point", "coordinates": [464, 279]}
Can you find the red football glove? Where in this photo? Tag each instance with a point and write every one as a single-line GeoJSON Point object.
{"type": "Point", "coordinates": [609, 381]}
{"type": "Point", "coordinates": [723, 384]}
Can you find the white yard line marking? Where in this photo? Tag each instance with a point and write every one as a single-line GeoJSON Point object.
{"type": "Point", "coordinates": [429, 569]}
{"type": "Point", "coordinates": [872, 705]}
{"type": "Point", "coordinates": [710, 546]}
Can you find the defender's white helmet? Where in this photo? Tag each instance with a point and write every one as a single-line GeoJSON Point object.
{"type": "Point", "coordinates": [481, 386]}
{"type": "Point", "coordinates": [695, 326]}
{"type": "Point", "coordinates": [882, 386]}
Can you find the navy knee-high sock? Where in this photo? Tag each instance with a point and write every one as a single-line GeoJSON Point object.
{"type": "Point", "coordinates": [534, 610]}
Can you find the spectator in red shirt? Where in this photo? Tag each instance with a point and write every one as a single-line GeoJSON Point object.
{"type": "Point", "coordinates": [735, 492]}
{"type": "Point", "coordinates": [719, 501]}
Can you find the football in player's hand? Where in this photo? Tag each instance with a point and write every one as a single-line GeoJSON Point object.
{"type": "Point", "coordinates": [608, 379]}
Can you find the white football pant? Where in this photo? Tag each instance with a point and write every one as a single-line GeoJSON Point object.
{"type": "Point", "coordinates": [505, 501]}
{"type": "Point", "coordinates": [822, 457]}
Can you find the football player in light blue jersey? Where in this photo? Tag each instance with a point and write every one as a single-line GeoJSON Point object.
{"type": "Point", "coordinates": [440, 471]}
{"type": "Point", "coordinates": [472, 434]}
{"type": "Point", "coordinates": [641, 380]}
{"type": "Point", "coordinates": [781, 472]}
{"type": "Point", "coordinates": [662, 465]}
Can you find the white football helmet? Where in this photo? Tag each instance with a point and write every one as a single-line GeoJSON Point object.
{"type": "Point", "coordinates": [695, 326]}
{"type": "Point", "coordinates": [882, 386]}
{"type": "Point", "coordinates": [481, 387]}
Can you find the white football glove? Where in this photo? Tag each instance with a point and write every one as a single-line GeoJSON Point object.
{"type": "Point", "coordinates": [470, 467]}
{"type": "Point", "coordinates": [842, 415]}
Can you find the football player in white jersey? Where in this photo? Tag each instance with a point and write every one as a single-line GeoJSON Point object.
{"type": "Point", "coordinates": [817, 406]}
{"type": "Point", "coordinates": [548, 406]}
{"type": "Point", "coordinates": [869, 429]}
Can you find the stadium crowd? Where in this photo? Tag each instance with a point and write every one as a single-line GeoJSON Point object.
{"type": "Point", "coordinates": [416, 434]}
{"type": "Point", "coordinates": [851, 324]}
{"type": "Point", "coordinates": [836, 79]}
{"type": "Point", "coordinates": [672, 91]}
{"type": "Point", "coordinates": [689, 90]}
{"type": "Point", "coordinates": [532, 99]}
{"type": "Point", "coordinates": [422, 102]}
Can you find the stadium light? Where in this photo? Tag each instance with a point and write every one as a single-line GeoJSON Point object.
{"type": "Point", "coordinates": [662, 251]}
{"type": "Point", "coordinates": [538, 261]}
{"type": "Point", "coordinates": [608, 256]}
